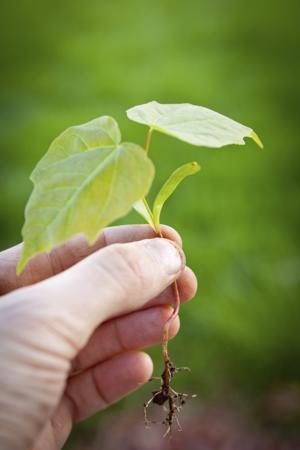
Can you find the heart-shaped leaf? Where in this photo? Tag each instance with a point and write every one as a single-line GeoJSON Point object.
{"type": "Point", "coordinates": [169, 187]}
{"type": "Point", "coordinates": [86, 180]}
{"type": "Point", "coordinates": [193, 124]}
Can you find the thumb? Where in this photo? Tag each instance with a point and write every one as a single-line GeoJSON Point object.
{"type": "Point", "coordinates": [113, 281]}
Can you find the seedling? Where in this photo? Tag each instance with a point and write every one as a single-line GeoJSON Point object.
{"type": "Point", "coordinates": [88, 178]}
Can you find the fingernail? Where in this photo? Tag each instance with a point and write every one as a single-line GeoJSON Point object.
{"type": "Point", "coordinates": [167, 254]}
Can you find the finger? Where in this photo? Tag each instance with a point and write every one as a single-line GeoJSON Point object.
{"type": "Point", "coordinates": [57, 429]}
{"type": "Point", "coordinates": [135, 331]}
{"type": "Point", "coordinates": [104, 384]}
{"type": "Point", "coordinates": [45, 265]}
{"type": "Point", "coordinates": [93, 391]}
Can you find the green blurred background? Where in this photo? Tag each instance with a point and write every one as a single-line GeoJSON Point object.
{"type": "Point", "coordinates": [65, 62]}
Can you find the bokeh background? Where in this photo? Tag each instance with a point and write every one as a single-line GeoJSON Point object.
{"type": "Point", "coordinates": [66, 62]}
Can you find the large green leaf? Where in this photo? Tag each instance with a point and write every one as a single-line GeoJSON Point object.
{"type": "Point", "coordinates": [169, 187]}
{"type": "Point", "coordinates": [193, 124]}
{"type": "Point", "coordinates": [86, 180]}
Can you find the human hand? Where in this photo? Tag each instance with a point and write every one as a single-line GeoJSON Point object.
{"type": "Point", "coordinates": [72, 324]}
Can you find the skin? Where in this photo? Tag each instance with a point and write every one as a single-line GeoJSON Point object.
{"type": "Point", "coordinates": [73, 324]}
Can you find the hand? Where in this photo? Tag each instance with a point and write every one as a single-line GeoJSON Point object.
{"type": "Point", "coordinates": [72, 324]}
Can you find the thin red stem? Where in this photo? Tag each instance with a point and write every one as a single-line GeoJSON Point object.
{"type": "Point", "coordinates": [173, 315]}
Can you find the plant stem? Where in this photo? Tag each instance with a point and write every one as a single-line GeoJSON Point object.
{"type": "Point", "coordinates": [148, 140]}
{"type": "Point", "coordinates": [175, 311]}
{"type": "Point", "coordinates": [146, 204]}
{"type": "Point", "coordinates": [173, 315]}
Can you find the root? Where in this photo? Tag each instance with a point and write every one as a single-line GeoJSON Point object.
{"type": "Point", "coordinates": [168, 398]}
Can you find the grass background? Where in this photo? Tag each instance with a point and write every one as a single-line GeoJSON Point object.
{"type": "Point", "coordinates": [64, 63]}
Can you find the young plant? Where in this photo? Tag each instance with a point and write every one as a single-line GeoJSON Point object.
{"type": "Point", "coordinates": [88, 178]}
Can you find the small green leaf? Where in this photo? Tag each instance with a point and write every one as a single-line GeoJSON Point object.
{"type": "Point", "coordinates": [169, 187]}
{"type": "Point", "coordinates": [193, 124]}
{"type": "Point", "coordinates": [86, 180]}
{"type": "Point", "coordinates": [144, 210]}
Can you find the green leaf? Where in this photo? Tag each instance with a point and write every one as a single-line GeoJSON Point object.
{"type": "Point", "coordinates": [144, 210]}
{"type": "Point", "coordinates": [193, 124]}
{"type": "Point", "coordinates": [86, 180]}
{"type": "Point", "coordinates": [169, 187]}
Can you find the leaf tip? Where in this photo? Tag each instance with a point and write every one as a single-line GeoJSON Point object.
{"type": "Point", "coordinates": [196, 166]}
{"type": "Point", "coordinates": [256, 139]}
